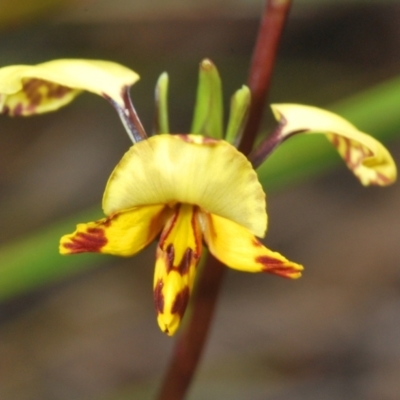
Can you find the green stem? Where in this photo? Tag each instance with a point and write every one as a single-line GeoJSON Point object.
{"type": "Point", "coordinates": [190, 343]}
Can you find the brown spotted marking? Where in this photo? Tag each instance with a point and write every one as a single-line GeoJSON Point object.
{"type": "Point", "coordinates": [93, 240]}
{"type": "Point", "coordinates": [170, 257]}
{"type": "Point", "coordinates": [184, 266]}
{"type": "Point", "coordinates": [6, 110]}
{"type": "Point", "coordinates": [351, 147]}
{"type": "Point", "coordinates": [17, 110]}
{"type": "Point", "coordinates": [190, 254]}
{"type": "Point", "coordinates": [38, 90]}
{"type": "Point", "coordinates": [181, 301]}
{"type": "Point", "coordinates": [381, 179]}
{"type": "Point", "coordinates": [256, 243]}
{"type": "Point", "coordinates": [159, 297]}
{"type": "Point", "coordinates": [197, 139]}
{"type": "Point", "coordinates": [276, 267]}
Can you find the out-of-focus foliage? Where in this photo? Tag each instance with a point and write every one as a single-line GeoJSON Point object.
{"type": "Point", "coordinates": [17, 13]}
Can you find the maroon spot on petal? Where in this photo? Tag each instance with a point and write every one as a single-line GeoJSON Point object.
{"type": "Point", "coordinates": [90, 241]}
{"type": "Point", "coordinates": [31, 86]}
{"type": "Point", "coordinates": [188, 139]}
{"type": "Point", "coordinates": [108, 220]}
{"type": "Point", "coordinates": [166, 233]}
{"type": "Point", "coordinates": [35, 99]}
{"type": "Point", "coordinates": [256, 243]}
{"type": "Point", "coordinates": [6, 110]}
{"type": "Point", "coordinates": [181, 301]}
{"type": "Point", "coordinates": [159, 297]}
{"type": "Point", "coordinates": [268, 261]}
{"type": "Point", "coordinates": [17, 110]}
{"type": "Point", "coordinates": [31, 108]}
{"type": "Point", "coordinates": [58, 91]}
{"type": "Point", "coordinates": [195, 228]}
{"type": "Point", "coordinates": [335, 141]}
{"type": "Point", "coordinates": [283, 272]}
{"type": "Point", "coordinates": [276, 267]}
{"type": "Point", "coordinates": [170, 253]}
{"type": "Point", "coordinates": [184, 266]}
{"type": "Point", "coordinates": [208, 140]}
{"type": "Point", "coordinates": [381, 179]}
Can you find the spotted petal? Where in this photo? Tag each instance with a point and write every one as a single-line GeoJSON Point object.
{"type": "Point", "coordinates": [365, 156]}
{"type": "Point", "coordinates": [237, 248]}
{"type": "Point", "coordinates": [178, 253]}
{"type": "Point", "coordinates": [32, 89]}
{"type": "Point", "coordinates": [122, 234]}
{"type": "Point", "coordinates": [191, 169]}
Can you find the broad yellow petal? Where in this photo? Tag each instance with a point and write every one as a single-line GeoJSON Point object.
{"type": "Point", "coordinates": [365, 156]}
{"type": "Point", "coordinates": [178, 254]}
{"type": "Point", "coordinates": [122, 234]}
{"type": "Point", "coordinates": [237, 248]}
{"type": "Point", "coordinates": [189, 169]}
{"type": "Point", "coordinates": [32, 89]}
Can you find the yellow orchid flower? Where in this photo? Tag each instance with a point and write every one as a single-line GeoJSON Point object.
{"type": "Point", "coordinates": [189, 188]}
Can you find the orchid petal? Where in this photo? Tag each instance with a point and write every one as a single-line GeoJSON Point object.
{"type": "Point", "coordinates": [369, 160]}
{"type": "Point", "coordinates": [178, 254]}
{"type": "Point", "coordinates": [123, 234]}
{"type": "Point", "coordinates": [191, 169]}
{"type": "Point", "coordinates": [237, 248]}
{"type": "Point", "coordinates": [27, 90]}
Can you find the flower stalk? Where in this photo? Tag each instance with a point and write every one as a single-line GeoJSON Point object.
{"type": "Point", "coordinates": [262, 65]}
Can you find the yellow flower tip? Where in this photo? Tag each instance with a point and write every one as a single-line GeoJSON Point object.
{"type": "Point", "coordinates": [86, 238]}
{"type": "Point", "coordinates": [169, 317]}
{"type": "Point", "coordinates": [275, 263]}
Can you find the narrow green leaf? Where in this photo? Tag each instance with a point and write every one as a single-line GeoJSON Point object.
{"type": "Point", "coordinates": [161, 124]}
{"type": "Point", "coordinates": [208, 112]}
{"type": "Point", "coordinates": [240, 103]}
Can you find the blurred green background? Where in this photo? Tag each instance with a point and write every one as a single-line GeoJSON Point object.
{"type": "Point", "coordinates": [84, 328]}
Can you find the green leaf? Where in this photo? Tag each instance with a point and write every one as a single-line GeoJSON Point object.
{"type": "Point", "coordinates": [239, 111]}
{"type": "Point", "coordinates": [161, 124]}
{"type": "Point", "coordinates": [208, 112]}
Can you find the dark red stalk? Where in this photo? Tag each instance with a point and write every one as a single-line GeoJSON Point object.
{"type": "Point", "coordinates": [262, 64]}
{"type": "Point", "coordinates": [190, 343]}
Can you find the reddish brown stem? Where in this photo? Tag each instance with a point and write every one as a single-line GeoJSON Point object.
{"type": "Point", "coordinates": [262, 64]}
{"type": "Point", "coordinates": [190, 343]}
